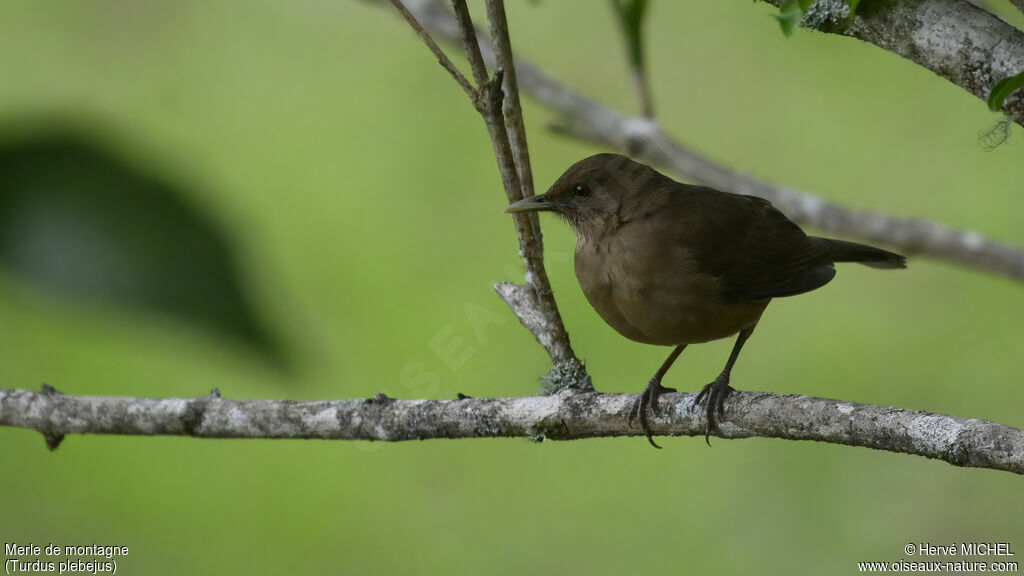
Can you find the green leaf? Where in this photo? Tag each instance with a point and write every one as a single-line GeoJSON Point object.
{"type": "Point", "coordinates": [631, 16]}
{"type": "Point", "coordinates": [1002, 90]}
{"type": "Point", "coordinates": [853, 6]}
{"type": "Point", "coordinates": [789, 16]}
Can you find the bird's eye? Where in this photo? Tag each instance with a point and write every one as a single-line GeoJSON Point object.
{"type": "Point", "coordinates": [582, 190]}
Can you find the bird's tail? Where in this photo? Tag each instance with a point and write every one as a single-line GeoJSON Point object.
{"type": "Point", "coordinates": [842, 251]}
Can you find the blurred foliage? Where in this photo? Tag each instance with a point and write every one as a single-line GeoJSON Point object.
{"type": "Point", "coordinates": [76, 220]}
{"type": "Point", "coordinates": [357, 187]}
{"type": "Point", "coordinates": [630, 14]}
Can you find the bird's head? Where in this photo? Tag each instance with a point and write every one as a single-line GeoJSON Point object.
{"type": "Point", "coordinates": [590, 192]}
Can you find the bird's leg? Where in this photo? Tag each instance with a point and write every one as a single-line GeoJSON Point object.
{"type": "Point", "coordinates": [719, 389]}
{"type": "Point", "coordinates": [649, 397]}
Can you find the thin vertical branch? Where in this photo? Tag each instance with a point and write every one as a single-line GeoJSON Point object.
{"type": "Point", "coordinates": [470, 43]}
{"type": "Point", "coordinates": [513, 110]}
{"type": "Point", "coordinates": [533, 303]}
{"type": "Point", "coordinates": [567, 370]}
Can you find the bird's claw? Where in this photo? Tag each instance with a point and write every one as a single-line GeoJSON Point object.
{"type": "Point", "coordinates": [714, 394]}
{"type": "Point", "coordinates": [648, 400]}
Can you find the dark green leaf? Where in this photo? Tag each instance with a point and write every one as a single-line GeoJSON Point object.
{"type": "Point", "coordinates": [853, 6]}
{"type": "Point", "coordinates": [80, 221]}
{"type": "Point", "coordinates": [1002, 90]}
{"type": "Point", "coordinates": [789, 16]}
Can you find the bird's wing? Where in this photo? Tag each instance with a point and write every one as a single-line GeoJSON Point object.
{"type": "Point", "coordinates": [755, 250]}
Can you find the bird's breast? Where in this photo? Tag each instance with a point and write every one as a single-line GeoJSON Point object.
{"type": "Point", "coordinates": [656, 293]}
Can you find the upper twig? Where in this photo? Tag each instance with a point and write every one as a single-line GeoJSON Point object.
{"type": "Point", "coordinates": [442, 59]}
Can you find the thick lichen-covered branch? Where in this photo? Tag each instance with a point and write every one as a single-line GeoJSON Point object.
{"type": "Point", "coordinates": [568, 415]}
{"type": "Point", "coordinates": [955, 39]}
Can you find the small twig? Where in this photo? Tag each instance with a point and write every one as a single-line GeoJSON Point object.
{"type": "Point", "coordinates": [567, 415]}
{"type": "Point", "coordinates": [442, 59]}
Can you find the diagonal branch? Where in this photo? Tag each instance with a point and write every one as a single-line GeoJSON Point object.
{"type": "Point", "coordinates": [586, 119]}
{"type": "Point", "coordinates": [911, 236]}
{"type": "Point", "coordinates": [442, 58]}
{"type": "Point", "coordinates": [568, 415]}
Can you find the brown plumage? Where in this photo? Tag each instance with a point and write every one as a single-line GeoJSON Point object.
{"type": "Point", "coordinates": [674, 264]}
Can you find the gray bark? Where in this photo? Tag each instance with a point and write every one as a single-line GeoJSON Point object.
{"type": "Point", "coordinates": [568, 415]}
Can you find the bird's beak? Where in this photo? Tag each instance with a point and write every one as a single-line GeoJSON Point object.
{"type": "Point", "coordinates": [531, 204]}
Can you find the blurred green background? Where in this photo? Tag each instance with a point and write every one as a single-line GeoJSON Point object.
{"type": "Point", "coordinates": [355, 187]}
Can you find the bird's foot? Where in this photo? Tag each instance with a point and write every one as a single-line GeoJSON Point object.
{"type": "Point", "coordinates": [648, 400]}
{"type": "Point", "coordinates": [714, 394]}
